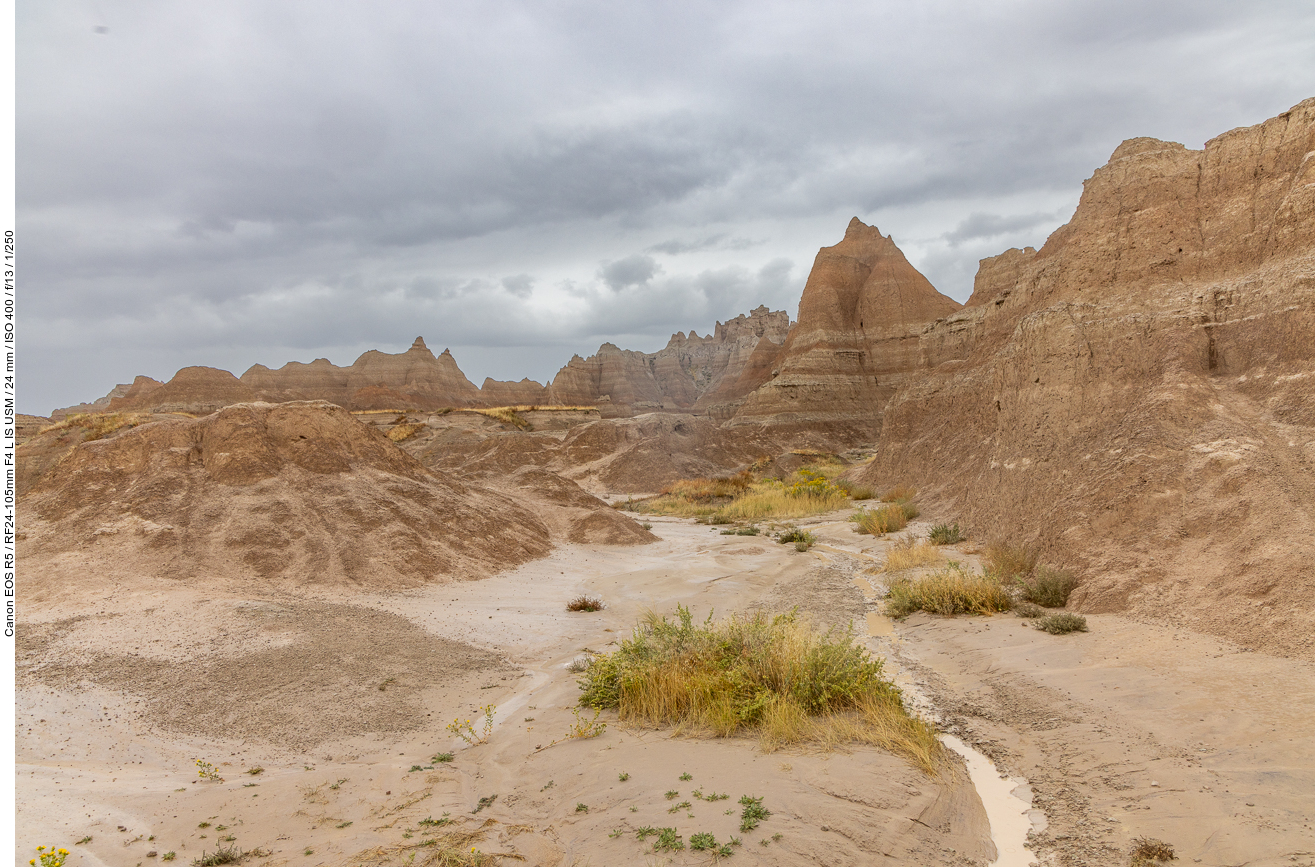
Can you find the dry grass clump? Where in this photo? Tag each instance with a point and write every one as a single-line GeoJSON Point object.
{"type": "Point", "coordinates": [453, 849]}
{"type": "Point", "coordinates": [899, 494]}
{"type": "Point", "coordinates": [884, 519]}
{"type": "Point", "coordinates": [1047, 585]}
{"type": "Point", "coordinates": [1149, 852]}
{"type": "Point", "coordinates": [802, 539]}
{"type": "Point", "coordinates": [855, 490]}
{"type": "Point", "coordinates": [952, 590]}
{"type": "Point", "coordinates": [405, 431]}
{"type": "Point", "coordinates": [771, 675]}
{"type": "Point", "coordinates": [1008, 559]}
{"type": "Point", "coordinates": [1062, 623]}
{"type": "Point", "coordinates": [908, 552]}
{"type": "Point", "coordinates": [585, 603]}
{"type": "Point", "coordinates": [1028, 609]}
{"type": "Point", "coordinates": [97, 425]}
{"type": "Point", "coordinates": [508, 415]}
{"type": "Point", "coordinates": [744, 498]}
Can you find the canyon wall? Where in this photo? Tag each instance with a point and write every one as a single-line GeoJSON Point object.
{"type": "Point", "coordinates": [1137, 397]}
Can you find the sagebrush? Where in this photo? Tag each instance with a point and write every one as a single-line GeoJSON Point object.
{"type": "Point", "coordinates": [952, 590]}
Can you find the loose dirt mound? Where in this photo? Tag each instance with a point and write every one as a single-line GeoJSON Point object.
{"type": "Point", "coordinates": [292, 493]}
{"type": "Point", "coordinates": [1136, 398]}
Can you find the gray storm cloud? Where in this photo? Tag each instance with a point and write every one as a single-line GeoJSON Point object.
{"type": "Point", "coordinates": [250, 182]}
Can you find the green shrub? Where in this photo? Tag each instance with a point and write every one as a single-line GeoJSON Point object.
{"type": "Point", "coordinates": [1062, 624]}
{"type": "Point", "coordinates": [1047, 586]}
{"type": "Point", "coordinates": [945, 534]}
{"type": "Point", "coordinates": [741, 531]}
{"type": "Point", "coordinates": [802, 539]}
{"type": "Point", "coordinates": [952, 590]}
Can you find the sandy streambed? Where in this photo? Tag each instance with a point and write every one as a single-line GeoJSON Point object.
{"type": "Point", "coordinates": [343, 702]}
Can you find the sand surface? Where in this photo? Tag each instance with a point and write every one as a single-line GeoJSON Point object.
{"type": "Point", "coordinates": [338, 697]}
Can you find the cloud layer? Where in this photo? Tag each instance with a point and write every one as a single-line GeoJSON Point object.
{"type": "Point", "coordinates": [247, 182]}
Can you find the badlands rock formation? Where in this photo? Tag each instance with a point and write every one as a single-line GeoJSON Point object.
{"type": "Point", "coordinates": [265, 495]}
{"type": "Point", "coordinates": [691, 372]}
{"type": "Point", "coordinates": [856, 341]}
{"type": "Point", "coordinates": [1137, 397]}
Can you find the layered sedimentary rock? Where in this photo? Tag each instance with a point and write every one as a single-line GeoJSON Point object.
{"type": "Point", "coordinates": [691, 372]}
{"type": "Point", "coordinates": [1137, 397]}
{"type": "Point", "coordinates": [101, 404]}
{"type": "Point", "coordinates": [272, 494]}
{"type": "Point", "coordinates": [527, 392]}
{"type": "Point", "coordinates": [194, 390]}
{"type": "Point", "coordinates": [417, 377]}
{"type": "Point", "coordinates": [856, 340]}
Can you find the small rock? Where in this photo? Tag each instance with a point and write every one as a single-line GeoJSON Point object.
{"type": "Point", "coordinates": [152, 854]}
{"type": "Point", "coordinates": [1155, 783]}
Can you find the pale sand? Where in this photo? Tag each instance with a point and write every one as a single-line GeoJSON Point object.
{"type": "Point", "coordinates": [134, 686]}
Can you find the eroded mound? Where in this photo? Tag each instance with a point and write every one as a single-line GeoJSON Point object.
{"type": "Point", "coordinates": [298, 493]}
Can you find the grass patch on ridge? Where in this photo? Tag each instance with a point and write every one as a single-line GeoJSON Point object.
{"type": "Point", "coordinates": [771, 676]}
{"type": "Point", "coordinates": [744, 497]}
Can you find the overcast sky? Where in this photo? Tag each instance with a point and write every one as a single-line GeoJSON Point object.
{"type": "Point", "coordinates": [259, 182]}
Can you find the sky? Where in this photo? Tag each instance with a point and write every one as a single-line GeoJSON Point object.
{"type": "Point", "coordinates": [245, 182]}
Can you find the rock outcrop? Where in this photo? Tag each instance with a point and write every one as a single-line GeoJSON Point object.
{"type": "Point", "coordinates": [265, 495]}
{"type": "Point", "coordinates": [193, 390]}
{"type": "Point", "coordinates": [416, 378]}
{"type": "Point", "coordinates": [703, 374]}
{"type": "Point", "coordinates": [1135, 398]}
{"type": "Point", "coordinates": [856, 341]}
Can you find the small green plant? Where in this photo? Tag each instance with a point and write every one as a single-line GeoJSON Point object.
{"type": "Point", "coordinates": [486, 801]}
{"type": "Point", "coordinates": [466, 731]}
{"type": "Point", "coordinates": [203, 825]}
{"type": "Point", "coordinates": [308, 851]}
{"type": "Point", "coordinates": [1028, 609]}
{"type": "Point", "coordinates": [776, 838]}
{"type": "Point", "coordinates": [338, 784]}
{"type": "Point", "coordinates": [586, 728]}
{"type": "Point", "coordinates": [945, 534]}
{"type": "Point", "coordinates": [685, 776]}
{"type": "Point", "coordinates": [802, 539]}
{"type": "Point", "coordinates": [623, 776]}
{"type": "Point", "coordinates": [87, 839]}
{"type": "Point", "coordinates": [582, 808]}
{"type": "Point", "coordinates": [255, 771]}
{"type": "Point", "coordinates": [634, 809]}
{"type": "Point", "coordinates": [343, 825]}
{"type": "Point", "coordinates": [616, 832]}
{"type": "Point", "coordinates": [168, 856]}
{"type": "Point", "coordinates": [440, 758]}
{"type": "Point", "coordinates": [585, 603]}
{"type": "Point", "coordinates": [683, 805]}
{"type": "Point", "coordinates": [1062, 624]}
{"type": "Point", "coordinates": [1150, 852]}
{"type": "Point", "coordinates": [671, 795]}
{"type": "Point", "coordinates": [436, 823]}
{"type": "Point", "coordinates": [50, 857]}
{"type": "Point", "coordinates": [668, 841]}
{"type": "Point", "coordinates": [702, 842]}
{"type": "Point", "coordinates": [647, 525]}
{"type": "Point", "coordinates": [383, 686]}
{"type": "Point", "coordinates": [1047, 586]}
{"type": "Point", "coordinates": [753, 812]}
{"type": "Point", "coordinates": [207, 771]}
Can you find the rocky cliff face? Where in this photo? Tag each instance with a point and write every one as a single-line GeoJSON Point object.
{"type": "Point", "coordinates": [1136, 396]}
{"type": "Point", "coordinates": [691, 373]}
{"type": "Point", "coordinates": [860, 317]}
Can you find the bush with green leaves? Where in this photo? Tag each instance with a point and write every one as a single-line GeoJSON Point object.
{"type": "Point", "coordinates": [1046, 586]}
{"type": "Point", "coordinates": [945, 534]}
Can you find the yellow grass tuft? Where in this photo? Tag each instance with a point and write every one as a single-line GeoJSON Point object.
{"type": "Point", "coordinates": [405, 431]}
{"type": "Point", "coordinates": [908, 552]}
{"type": "Point", "coordinates": [883, 519]}
{"type": "Point", "coordinates": [741, 497]}
{"type": "Point", "coordinates": [952, 590]}
{"type": "Point", "coordinates": [507, 415]}
{"type": "Point", "coordinates": [899, 494]}
{"type": "Point", "coordinates": [773, 676]}
{"type": "Point", "coordinates": [1009, 559]}
{"type": "Point", "coordinates": [97, 424]}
